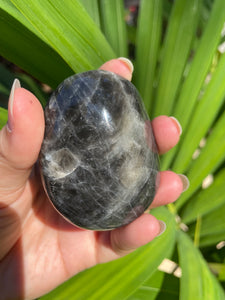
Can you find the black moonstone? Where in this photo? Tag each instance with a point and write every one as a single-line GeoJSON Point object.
{"type": "Point", "coordinates": [98, 161]}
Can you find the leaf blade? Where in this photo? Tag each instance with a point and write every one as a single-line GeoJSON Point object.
{"type": "Point", "coordinates": [212, 223]}
{"type": "Point", "coordinates": [202, 203]}
{"type": "Point", "coordinates": [93, 9]}
{"type": "Point", "coordinates": [181, 30]}
{"type": "Point", "coordinates": [113, 25]}
{"type": "Point", "coordinates": [148, 41]}
{"type": "Point", "coordinates": [80, 44]}
{"type": "Point", "coordinates": [206, 111]}
{"type": "Point", "coordinates": [159, 286]}
{"type": "Point", "coordinates": [211, 239]}
{"type": "Point", "coordinates": [3, 117]}
{"type": "Point", "coordinates": [207, 162]}
{"type": "Point", "coordinates": [197, 73]}
{"type": "Point", "coordinates": [197, 282]}
{"type": "Point", "coordinates": [30, 50]}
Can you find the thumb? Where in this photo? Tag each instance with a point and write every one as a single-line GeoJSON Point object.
{"type": "Point", "coordinates": [20, 139]}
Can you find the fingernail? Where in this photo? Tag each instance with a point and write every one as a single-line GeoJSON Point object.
{"type": "Point", "coordinates": [177, 123]}
{"type": "Point", "coordinates": [128, 63]}
{"type": "Point", "coordinates": [162, 227]}
{"type": "Point", "coordinates": [16, 85]}
{"type": "Point", "coordinates": [185, 181]}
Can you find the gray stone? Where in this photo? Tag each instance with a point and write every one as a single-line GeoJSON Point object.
{"type": "Point", "coordinates": [98, 160]}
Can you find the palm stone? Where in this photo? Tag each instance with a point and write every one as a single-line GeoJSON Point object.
{"type": "Point", "coordinates": [98, 160]}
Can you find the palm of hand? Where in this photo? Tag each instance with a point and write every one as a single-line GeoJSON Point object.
{"type": "Point", "coordinates": [42, 242]}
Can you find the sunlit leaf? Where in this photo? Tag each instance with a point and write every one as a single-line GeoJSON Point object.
{"type": "Point", "coordinates": [92, 8]}
{"type": "Point", "coordinates": [159, 286]}
{"type": "Point", "coordinates": [212, 223]}
{"type": "Point", "coordinates": [203, 117]}
{"type": "Point", "coordinates": [211, 156]}
{"type": "Point", "coordinates": [148, 42]}
{"type": "Point", "coordinates": [211, 239]}
{"type": "Point", "coordinates": [180, 33]}
{"type": "Point", "coordinates": [198, 70]}
{"type": "Point", "coordinates": [21, 44]}
{"type": "Point", "coordinates": [218, 269]}
{"type": "Point", "coordinates": [3, 117]}
{"type": "Point", "coordinates": [175, 45]}
{"type": "Point", "coordinates": [81, 44]}
{"type": "Point", "coordinates": [113, 25]}
{"type": "Point", "coordinates": [206, 200]}
{"type": "Point", "coordinates": [197, 281]}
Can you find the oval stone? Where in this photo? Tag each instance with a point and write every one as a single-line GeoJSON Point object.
{"type": "Point", "coordinates": [98, 160]}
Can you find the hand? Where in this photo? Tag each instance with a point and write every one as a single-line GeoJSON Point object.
{"type": "Point", "coordinates": [39, 249]}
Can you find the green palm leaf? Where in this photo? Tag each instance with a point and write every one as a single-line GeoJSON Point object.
{"type": "Point", "coordinates": [53, 39]}
{"type": "Point", "coordinates": [3, 117]}
{"type": "Point", "coordinates": [206, 200]}
{"type": "Point", "coordinates": [113, 25]}
{"type": "Point", "coordinates": [199, 68]}
{"type": "Point", "coordinates": [21, 44]}
{"type": "Point", "coordinates": [210, 158]}
{"type": "Point", "coordinates": [212, 223]}
{"type": "Point", "coordinates": [160, 286]}
{"type": "Point", "coordinates": [92, 8]}
{"type": "Point", "coordinates": [178, 40]}
{"type": "Point", "coordinates": [206, 111]}
{"type": "Point", "coordinates": [197, 282]}
{"type": "Point", "coordinates": [81, 48]}
{"type": "Point", "coordinates": [148, 42]}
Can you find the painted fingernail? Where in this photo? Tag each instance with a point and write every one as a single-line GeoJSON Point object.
{"type": "Point", "coordinates": [177, 123]}
{"type": "Point", "coordinates": [162, 227]}
{"type": "Point", "coordinates": [128, 63]}
{"type": "Point", "coordinates": [185, 181]}
{"type": "Point", "coordinates": [16, 85]}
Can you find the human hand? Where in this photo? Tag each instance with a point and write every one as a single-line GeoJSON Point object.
{"type": "Point", "coordinates": [39, 249]}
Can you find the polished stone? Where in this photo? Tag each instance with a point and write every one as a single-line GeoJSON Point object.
{"type": "Point", "coordinates": [98, 160]}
